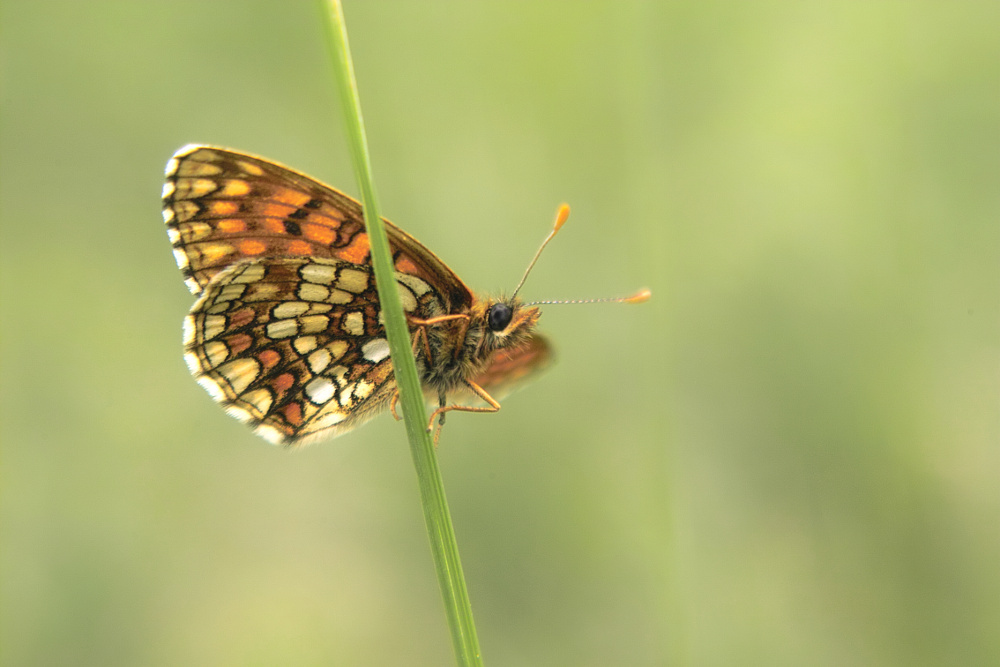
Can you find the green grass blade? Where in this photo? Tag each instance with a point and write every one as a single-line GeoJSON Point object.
{"type": "Point", "coordinates": [444, 548]}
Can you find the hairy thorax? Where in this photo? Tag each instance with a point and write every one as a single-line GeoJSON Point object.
{"type": "Point", "coordinates": [462, 348]}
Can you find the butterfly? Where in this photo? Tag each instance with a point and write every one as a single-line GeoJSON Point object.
{"type": "Point", "coordinates": [286, 332]}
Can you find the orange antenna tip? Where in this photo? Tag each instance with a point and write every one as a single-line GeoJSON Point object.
{"type": "Point", "coordinates": [561, 217]}
{"type": "Point", "coordinates": [639, 297]}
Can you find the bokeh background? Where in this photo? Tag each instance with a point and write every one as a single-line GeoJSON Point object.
{"type": "Point", "coordinates": [790, 456]}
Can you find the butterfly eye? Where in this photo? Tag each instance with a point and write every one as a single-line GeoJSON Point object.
{"type": "Point", "coordinates": [499, 316]}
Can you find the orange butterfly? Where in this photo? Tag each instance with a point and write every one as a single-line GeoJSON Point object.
{"type": "Point", "coordinates": [286, 333]}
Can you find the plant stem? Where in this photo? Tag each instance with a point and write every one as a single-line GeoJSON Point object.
{"type": "Point", "coordinates": [444, 548]}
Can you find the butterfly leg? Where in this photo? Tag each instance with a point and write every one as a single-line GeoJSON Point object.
{"type": "Point", "coordinates": [430, 321]}
{"type": "Point", "coordinates": [443, 409]}
{"type": "Point", "coordinates": [464, 329]}
{"type": "Point", "coordinates": [438, 319]}
{"type": "Point", "coordinates": [442, 401]}
{"type": "Point", "coordinates": [421, 333]}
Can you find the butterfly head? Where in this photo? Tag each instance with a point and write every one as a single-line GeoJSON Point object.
{"type": "Point", "coordinates": [506, 322]}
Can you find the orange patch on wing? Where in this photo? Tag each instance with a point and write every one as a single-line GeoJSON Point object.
{"type": "Point", "coordinates": [223, 207]}
{"type": "Point", "coordinates": [289, 197]}
{"type": "Point", "coordinates": [268, 358]}
{"type": "Point", "coordinates": [234, 187]}
{"type": "Point", "coordinates": [299, 248]}
{"type": "Point", "coordinates": [293, 413]}
{"type": "Point", "coordinates": [241, 317]}
{"type": "Point", "coordinates": [231, 225]}
{"type": "Point", "coordinates": [356, 251]}
{"type": "Point", "coordinates": [238, 343]}
{"type": "Point", "coordinates": [282, 383]}
{"type": "Point", "coordinates": [406, 265]}
{"type": "Point", "coordinates": [274, 226]}
{"type": "Point", "coordinates": [252, 247]}
{"type": "Point", "coordinates": [319, 233]}
{"type": "Point", "coordinates": [276, 210]}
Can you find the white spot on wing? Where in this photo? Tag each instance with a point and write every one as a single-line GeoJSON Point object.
{"type": "Point", "coordinates": [239, 413]}
{"type": "Point", "coordinates": [188, 329]}
{"type": "Point", "coordinates": [212, 387]}
{"type": "Point", "coordinates": [320, 390]}
{"type": "Point", "coordinates": [375, 350]}
{"type": "Point", "coordinates": [271, 434]}
{"type": "Point", "coordinates": [193, 363]}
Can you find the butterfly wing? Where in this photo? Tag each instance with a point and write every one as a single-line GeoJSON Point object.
{"type": "Point", "coordinates": [286, 331]}
{"type": "Point", "coordinates": [294, 346]}
{"type": "Point", "coordinates": [509, 370]}
{"type": "Point", "coordinates": [222, 206]}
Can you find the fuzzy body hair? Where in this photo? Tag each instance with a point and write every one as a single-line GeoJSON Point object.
{"type": "Point", "coordinates": [462, 349]}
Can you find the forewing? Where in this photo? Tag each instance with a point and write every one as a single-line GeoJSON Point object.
{"type": "Point", "coordinates": [222, 207]}
{"type": "Point", "coordinates": [294, 346]}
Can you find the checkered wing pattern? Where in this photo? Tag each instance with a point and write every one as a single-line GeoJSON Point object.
{"type": "Point", "coordinates": [286, 333]}
{"type": "Point", "coordinates": [294, 346]}
{"type": "Point", "coordinates": [222, 206]}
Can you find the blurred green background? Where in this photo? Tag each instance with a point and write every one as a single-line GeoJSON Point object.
{"type": "Point", "coordinates": [790, 456]}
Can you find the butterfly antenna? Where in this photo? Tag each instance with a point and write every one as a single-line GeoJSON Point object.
{"type": "Point", "coordinates": [561, 216]}
{"type": "Point", "coordinates": [638, 297]}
